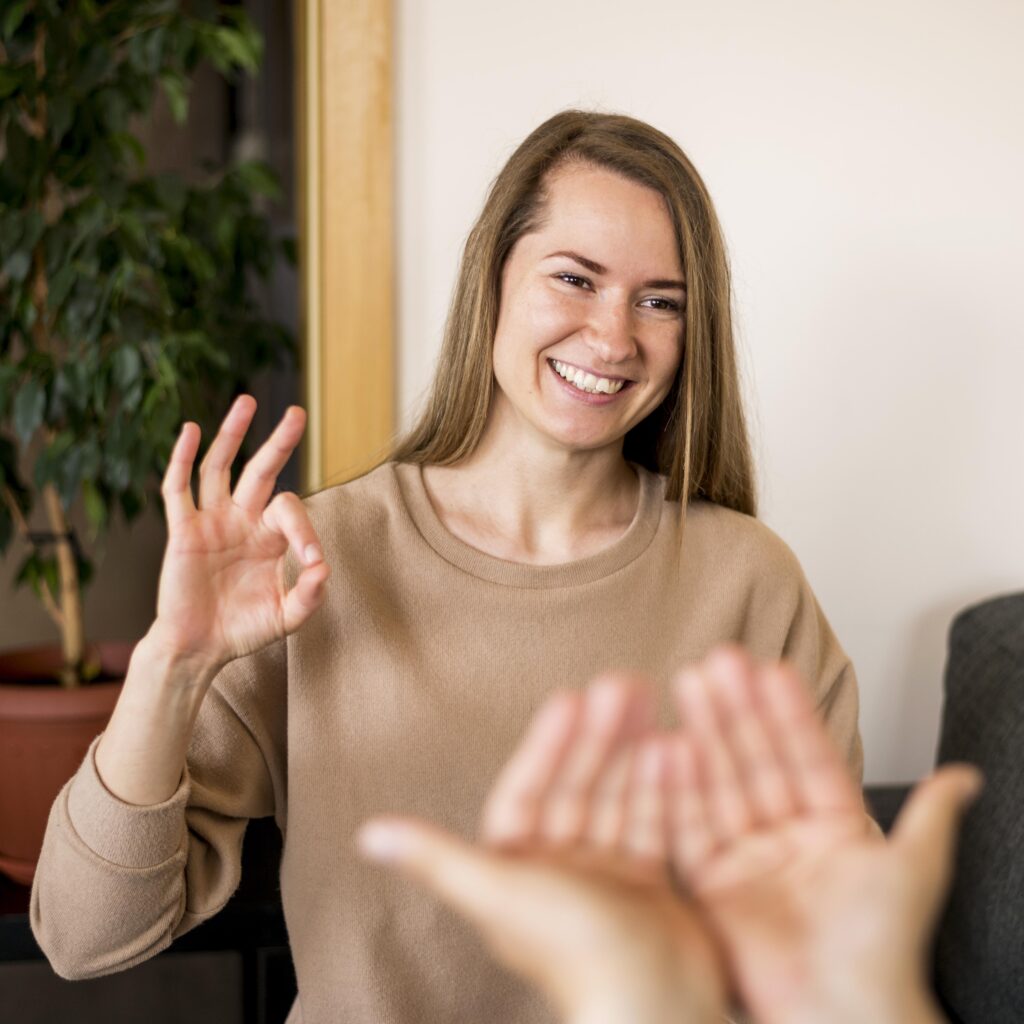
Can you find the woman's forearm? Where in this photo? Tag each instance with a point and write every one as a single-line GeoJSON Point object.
{"type": "Point", "coordinates": [141, 755]}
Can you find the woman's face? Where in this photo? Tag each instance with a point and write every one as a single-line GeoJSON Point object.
{"type": "Point", "coordinates": [590, 329]}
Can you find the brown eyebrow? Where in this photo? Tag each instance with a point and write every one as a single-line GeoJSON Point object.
{"type": "Point", "coordinates": [596, 268]}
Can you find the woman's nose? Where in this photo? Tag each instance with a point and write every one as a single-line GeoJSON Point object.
{"type": "Point", "coordinates": [611, 333]}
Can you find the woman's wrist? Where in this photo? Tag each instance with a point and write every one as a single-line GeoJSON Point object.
{"type": "Point", "coordinates": [141, 754]}
{"type": "Point", "coordinates": [181, 666]}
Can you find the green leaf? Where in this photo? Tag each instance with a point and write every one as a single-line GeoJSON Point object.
{"type": "Point", "coordinates": [89, 220]}
{"type": "Point", "coordinates": [94, 65]}
{"type": "Point", "coordinates": [10, 80]}
{"type": "Point", "coordinates": [129, 146]}
{"type": "Point", "coordinates": [69, 475]}
{"type": "Point", "coordinates": [127, 367]}
{"type": "Point", "coordinates": [34, 228]}
{"type": "Point", "coordinates": [6, 526]}
{"type": "Point", "coordinates": [61, 114]}
{"type": "Point", "coordinates": [29, 406]}
{"type": "Point", "coordinates": [12, 226]}
{"type": "Point", "coordinates": [236, 47]}
{"type": "Point", "coordinates": [176, 92]}
{"type": "Point", "coordinates": [145, 50]}
{"type": "Point", "coordinates": [60, 285]}
{"type": "Point", "coordinates": [8, 377]}
{"type": "Point", "coordinates": [13, 18]}
{"type": "Point", "coordinates": [95, 506]}
{"type": "Point", "coordinates": [17, 265]}
{"type": "Point", "coordinates": [260, 178]}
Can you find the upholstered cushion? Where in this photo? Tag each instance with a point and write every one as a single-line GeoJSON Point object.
{"type": "Point", "coordinates": [980, 945]}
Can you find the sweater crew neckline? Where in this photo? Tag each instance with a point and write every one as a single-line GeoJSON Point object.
{"type": "Point", "coordinates": [633, 542]}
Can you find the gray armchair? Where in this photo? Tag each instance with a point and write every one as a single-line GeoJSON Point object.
{"type": "Point", "coordinates": [979, 949]}
{"type": "Point", "coordinates": [979, 954]}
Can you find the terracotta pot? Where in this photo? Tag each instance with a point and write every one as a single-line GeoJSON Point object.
{"type": "Point", "coordinates": [45, 731]}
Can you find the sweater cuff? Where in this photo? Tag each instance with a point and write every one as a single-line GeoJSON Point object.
{"type": "Point", "coordinates": [129, 835]}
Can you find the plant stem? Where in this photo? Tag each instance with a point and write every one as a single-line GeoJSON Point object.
{"type": "Point", "coordinates": [49, 602]}
{"type": "Point", "coordinates": [72, 626]}
{"type": "Point", "coordinates": [70, 611]}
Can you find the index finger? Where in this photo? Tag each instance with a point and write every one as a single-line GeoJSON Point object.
{"type": "Point", "coordinates": [256, 484]}
{"type": "Point", "coordinates": [176, 487]}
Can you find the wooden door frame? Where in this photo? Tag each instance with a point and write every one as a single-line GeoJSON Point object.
{"type": "Point", "coordinates": [345, 170]}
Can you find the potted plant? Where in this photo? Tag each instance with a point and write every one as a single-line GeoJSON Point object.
{"type": "Point", "coordinates": [126, 305]}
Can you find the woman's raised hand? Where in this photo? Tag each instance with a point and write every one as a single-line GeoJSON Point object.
{"type": "Point", "coordinates": [223, 591]}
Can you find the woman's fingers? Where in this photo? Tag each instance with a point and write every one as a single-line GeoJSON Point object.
{"type": "Point", "coordinates": [305, 596]}
{"type": "Point", "coordinates": [610, 718]}
{"type": "Point", "coordinates": [256, 484]}
{"type": "Point", "coordinates": [513, 806]}
{"type": "Point", "coordinates": [176, 487]}
{"type": "Point", "coordinates": [215, 470]}
{"type": "Point", "coordinates": [287, 516]}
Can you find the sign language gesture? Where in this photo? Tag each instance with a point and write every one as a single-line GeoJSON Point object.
{"type": "Point", "coordinates": [223, 591]}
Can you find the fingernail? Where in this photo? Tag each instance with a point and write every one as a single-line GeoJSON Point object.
{"type": "Point", "coordinates": [313, 554]}
{"type": "Point", "coordinates": [381, 841]}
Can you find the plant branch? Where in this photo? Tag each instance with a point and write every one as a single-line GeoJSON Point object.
{"type": "Point", "coordinates": [133, 30]}
{"type": "Point", "coordinates": [21, 525]}
{"type": "Point", "coordinates": [72, 631]}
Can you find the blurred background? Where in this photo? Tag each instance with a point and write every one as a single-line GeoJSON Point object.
{"type": "Point", "coordinates": [865, 160]}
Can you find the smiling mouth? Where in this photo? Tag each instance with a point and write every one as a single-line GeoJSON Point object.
{"type": "Point", "coordinates": [588, 382]}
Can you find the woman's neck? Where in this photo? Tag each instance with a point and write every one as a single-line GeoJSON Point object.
{"type": "Point", "coordinates": [539, 505]}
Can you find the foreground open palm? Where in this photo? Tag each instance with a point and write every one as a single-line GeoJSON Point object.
{"type": "Point", "coordinates": [814, 908]}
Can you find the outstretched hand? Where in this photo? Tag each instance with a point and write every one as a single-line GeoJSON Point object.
{"type": "Point", "coordinates": [820, 917]}
{"type": "Point", "coordinates": [792, 897]}
{"type": "Point", "coordinates": [569, 886]}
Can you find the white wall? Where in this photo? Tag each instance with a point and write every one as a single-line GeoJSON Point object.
{"type": "Point", "coordinates": [867, 162]}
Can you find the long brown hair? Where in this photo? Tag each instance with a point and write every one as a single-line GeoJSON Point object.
{"type": "Point", "coordinates": [697, 437]}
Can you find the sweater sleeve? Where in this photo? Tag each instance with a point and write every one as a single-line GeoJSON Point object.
{"type": "Point", "coordinates": [813, 648]}
{"type": "Point", "coordinates": [116, 883]}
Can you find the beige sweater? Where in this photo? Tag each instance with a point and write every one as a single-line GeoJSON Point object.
{"type": "Point", "coordinates": [405, 693]}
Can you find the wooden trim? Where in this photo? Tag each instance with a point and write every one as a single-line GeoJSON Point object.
{"type": "Point", "coordinates": [346, 175]}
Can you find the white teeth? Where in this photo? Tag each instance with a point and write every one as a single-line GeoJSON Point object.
{"type": "Point", "coordinates": [587, 381]}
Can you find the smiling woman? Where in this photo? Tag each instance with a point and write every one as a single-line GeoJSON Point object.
{"type": "Point", "coordinates": [576, 497]}
{"type": "Point", "coordinates": [629, 191]}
